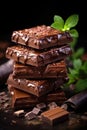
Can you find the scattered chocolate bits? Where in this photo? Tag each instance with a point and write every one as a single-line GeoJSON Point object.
{"type": "Point", "coordinates": [30, 115]}
{"type": "Point", "coordinates": [41, 106]}
{"type": "Point", "coordinates": [36, 111]}
{"type": "Point", "coordinates": [52, 105]}
{"type": "Point", "coordinates": [19, 113]}
{"type": "Point", "coordinates": [4, 100]}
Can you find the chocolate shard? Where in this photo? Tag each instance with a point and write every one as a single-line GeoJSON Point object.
{"type": "Point", "coordinates": [54, 116]}
{"type": "Point", "coordinates": [41, 37]}
{"type": "Point", "coordinates": [19, 113]}
{"type": "Point", "coordinates": [22, 99]}
{"type": "Point", "coordinates": [78, 101]}
{"type": "Point", "coordinates": [30, 115]}
{"type": "Point", "coordinates": [53, 70]}
{"type": "Point", "coordinates": [41, 106]}
{"type": "Point", "coordinates": [35, 87]}
{"type": "Point", "coordinates": [37, 58]}
{"type": "Point", "coordinates": [36, 111]}
{"type": "Point", "coordinates": [52, 105]}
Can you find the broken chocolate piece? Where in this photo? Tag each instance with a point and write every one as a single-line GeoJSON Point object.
{"type": "Point", "coordinates": [54, 116]}
{"type": "Point", "coordinates": [41, 106]}
{"type": "Point", "coordinates": [30, 115]}
{"type": "Point", "coordinates": [19, 113]}
{"type": "Point", "coordinates": [77, 101]}
{"type": "Point", "coordinates": [54, 70]}
{"type": "Point", "coordinates": [22, 100]}
{"type": "Point", "coordinates": [52, 105]}
{"type": "Point", "coordinates": [37, 58]}
{"type": "Point", "coordinates": [41, 37]}
{"type": "Point", "coordinates": [36, 111]}
{"type": "Point", "coordinates": [35, 87]}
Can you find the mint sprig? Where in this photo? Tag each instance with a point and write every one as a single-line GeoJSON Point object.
{"type": "Point", "coordinates": [71, 21]}
{"type": "Point", "coordinates": [78, 72]}
{"type": "Point", "coordinates": [66, 25]}
{"type": "Point", "coordinates": [58, 22]}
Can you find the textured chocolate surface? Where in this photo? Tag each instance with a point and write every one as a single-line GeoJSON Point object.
{"type": "Point", "coordinates": [35, 87]}
{"type": "Point", "coordinates": [54, 70]}
{"type": "Point", "coordinates": [41, 37]}
{"type": "Point", "coordinates": [37, 58]}
{"type": "Point", "coordinates": [54, 116]}
{"type": "Point", "coordinates": [22, 99]}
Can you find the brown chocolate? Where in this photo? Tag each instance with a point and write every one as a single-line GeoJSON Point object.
{"type": "Point", "coordinates": [41, 37]}
{"type": "Point", "coordinates": [54, 116]}
{"type": "Point", "coordinates": [28, 56]}
{"type": "Point", "coordinates": [22, 99]}
{"type": "Point", "coordinates": [35, 87]}
{"type": "Point", "coordinates": [53, 70]}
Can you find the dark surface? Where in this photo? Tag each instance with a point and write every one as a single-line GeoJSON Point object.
{"type": "Point", "coordinates": [76, 121]}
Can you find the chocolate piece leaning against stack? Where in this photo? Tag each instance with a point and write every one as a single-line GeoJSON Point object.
{"type": "Point", "coordinates": [39, 57]}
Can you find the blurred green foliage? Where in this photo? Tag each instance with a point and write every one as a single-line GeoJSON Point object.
{"type": "Point", "coordinates": [78, 72]}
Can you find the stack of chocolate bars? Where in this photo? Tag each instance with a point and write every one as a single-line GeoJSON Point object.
{"type": "Point", "coordinates": [39, 68]}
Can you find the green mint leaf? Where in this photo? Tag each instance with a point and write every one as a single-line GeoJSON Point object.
{"type": "Point", "coordinates": [56, 25]}
{"type": "Point", "coordinates": [73, 72]}
{"type": "Point", "coordinates": [81, 85]}
{"type": "Point", "coordinates": [82, 73]}
{"type": "Point", "coordinates": [72, 79]}
{"type": "Point", "coordinates": [74, 33]}
{"type": "Point", "coordinates": [77, 63]}
{"type": "Point", "coordinates": [58, 22]}
{"type": "Point", "coordinates": [73, 43]}
{"type": "Point", "coordinates": [71, 21]}
{"type": "Point", "coordinates": [59, 19]}
{"type": "Point", "coordinates": [78, 53]}
{"type": "Point", "coordinates": [84, 67]}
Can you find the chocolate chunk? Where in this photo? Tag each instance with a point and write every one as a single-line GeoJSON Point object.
{"type": "Point", "coordinates": [22, 100]}
{"type": "Point", "coordinates": [41, 106]}
{"type": "Point", "coordinates": [53, 70]}
{"type": "Point", "coordinates": [37, 58]}
{"type": "Point", "coordinates": [78, 101]}
{"type": "Point", "coordinates": [52, 105]}
{"type": "Point", "coordinates": [54, 116]}
{"type": "Point", "coordinates": [41, 37]}
{"type": "Point", "coordinates": [30, 115]}
{"type": "Point", "coordinates": [35, 87]}
{"type": "Point", "coordinates": [36, 111]}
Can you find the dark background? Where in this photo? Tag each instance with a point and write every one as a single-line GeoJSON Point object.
{"type": "Point", "coordinates": [24, 14]}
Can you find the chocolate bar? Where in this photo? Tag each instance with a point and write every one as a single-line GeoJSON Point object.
{"type": "Point", "coordinates": [37, 58]}
{"type": "Point", "coordinates": [22, 99]}
{"type": "Point", "coordinates": [54, 116]}
{"type": "Point", "coordinates": [41, 37]}
{"type": "Point", "coordinates": [35, 87]}
{"type": "Point", "coordinates": [54, 70]}
{"type": "Point", "coordinates": [78, 101]}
